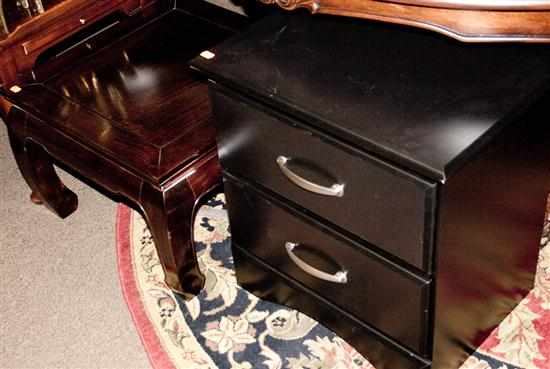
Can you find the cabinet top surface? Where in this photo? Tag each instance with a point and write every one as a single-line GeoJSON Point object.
{"type": "Point", "coordinates": [413, 97]}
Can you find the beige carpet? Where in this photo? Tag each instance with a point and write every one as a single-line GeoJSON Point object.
{"type": "Point", "coordinates": [61, 305]}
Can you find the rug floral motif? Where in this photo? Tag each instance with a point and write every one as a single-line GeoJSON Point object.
{"type": "Point", "coordinates": [226, 327]}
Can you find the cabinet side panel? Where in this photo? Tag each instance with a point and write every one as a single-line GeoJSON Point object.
{"type": "Point", "coordinates": [489, 228]}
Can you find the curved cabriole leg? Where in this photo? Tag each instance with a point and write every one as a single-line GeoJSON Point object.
{"type": "Point", "coordinates": [35, 198]}
{"type": "Point", "coordinates": [37, 169]}
{"type": "Point", "coordinates": [169, 215]}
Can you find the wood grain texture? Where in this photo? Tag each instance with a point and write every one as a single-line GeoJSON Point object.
{"type": "Point", "coordinates": [133, 101]}
{"type": "Point", "coordinates": [37, 169]}
{"type": "Point", "coordinates": [478, 4]}
{"type": "Point", "coordinates": [511, 21]}
{"type": "Point", "coordinates": [29, 39]}
{"type": "Point", "coordinates": [169, 210]}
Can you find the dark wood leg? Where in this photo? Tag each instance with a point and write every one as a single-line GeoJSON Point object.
{"type": "Point", "coordinates": [37, 169]}
{"type": "Point", "coordinates": [169, 214]}
{"type": "Point", "coordinates": [35, 198]}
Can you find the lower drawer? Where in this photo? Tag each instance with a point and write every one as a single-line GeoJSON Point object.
{"type": "Point", "coordinates": [391, 300]}
{"type": "Point", "coordinates": [256, 277]}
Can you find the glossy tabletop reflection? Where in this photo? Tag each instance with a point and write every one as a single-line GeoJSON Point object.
{"type": "Point", "coordinates": [138, 92]}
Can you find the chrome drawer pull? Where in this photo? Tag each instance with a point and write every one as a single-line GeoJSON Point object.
{"type": "Point", "coordinates": [336, 190]}
{"type": "Point", "coordinates": [339, 277]}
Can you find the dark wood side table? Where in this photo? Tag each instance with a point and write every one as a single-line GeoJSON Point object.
{"type": "Point", "coordinates": [131, 118]}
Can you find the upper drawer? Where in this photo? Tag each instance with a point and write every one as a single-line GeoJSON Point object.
{"type": "Point", "coordinates": [389, 208]}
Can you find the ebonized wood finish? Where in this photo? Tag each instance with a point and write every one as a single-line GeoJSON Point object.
{"type": "Point", "coordinates": [264, 225]}
{"type": "Point", "coordinates": [464, 20]}
{"type": "Point", "coordinates": [401, 212]}
{"type": "Point", "coordinates": [441, 157]}
{"type": "Point", "coordinates": [131, 117]}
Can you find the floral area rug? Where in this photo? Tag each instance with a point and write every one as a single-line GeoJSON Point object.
{"type": "Point", "coordinates": [225, 327]}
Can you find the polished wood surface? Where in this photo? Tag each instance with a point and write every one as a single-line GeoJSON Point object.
{"type": "Point", "coordinates": [469, 119]}
{"type": "Point", "coordinates": [23, 45]}
{"type": "Point", "coordinates": [18, 16]}
{"type": "Point", "coordinates": [464, 20]}
{"type": "Point", "coordinates": [13, 13]}
{"type": "Point", "coordinates": [37, 168]}
{"type": "Point", "coordinates": [389, 209]}
{"type": "Point", "coordinates": [170, 213]}
{"type": "Point", "coordinates": [134, 101]}
{"type": "Point", "coordinates": [131, 118]}
{"type": "Point", "coordinates": [479, 4]}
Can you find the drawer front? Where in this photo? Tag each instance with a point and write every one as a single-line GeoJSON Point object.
{"type": "Point", "coordinates": [387, 207]}
{"type": "Point", "coordinates": [70, 24]}
{"type": "Point", "coordinates": [391, 300]}
{"type": "Point", "coordinates": [264, 283]}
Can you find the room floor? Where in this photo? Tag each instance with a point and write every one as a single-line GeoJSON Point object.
{"type": "Point", "coordinates": [61, 304]}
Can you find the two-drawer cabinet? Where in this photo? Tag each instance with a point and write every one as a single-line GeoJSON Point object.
{"type": "Point", "coordinates": [389, 182]}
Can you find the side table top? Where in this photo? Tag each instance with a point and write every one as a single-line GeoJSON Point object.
{"type": "Point", "coordinates": [135, 99]}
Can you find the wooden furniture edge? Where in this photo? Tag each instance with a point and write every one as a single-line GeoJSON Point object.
{"type": "Point", "coordinates": [478, 4]}
{"type": "Point", "coordinates": [15, 58]}
{"type": "Point", "coordinates": [56, 14]}
{"type": "Point", "coordinates": [466, 25]}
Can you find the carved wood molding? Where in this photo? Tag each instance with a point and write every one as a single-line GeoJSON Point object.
{"type": "Point", "coordinates": [311, 5]}
{"type": "Point", "coordinates": [464, 20]}
{"type": "Point", "coordinates": [522, 5]}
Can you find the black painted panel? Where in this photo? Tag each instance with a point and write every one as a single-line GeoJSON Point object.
{"type": "Point", "coordinates": [413, 97]}
{"type": "Point", "coordinates": [256, 277]}
{"type": "Point", "coordinates": [385, 206]}
{"type": "Point", "coordinates": [373, 287]}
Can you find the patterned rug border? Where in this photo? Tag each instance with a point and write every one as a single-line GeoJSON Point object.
{"type": "Point", "coordinates": [158, 357]}
{"type": "Point", "coordinates": [161, 354]}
